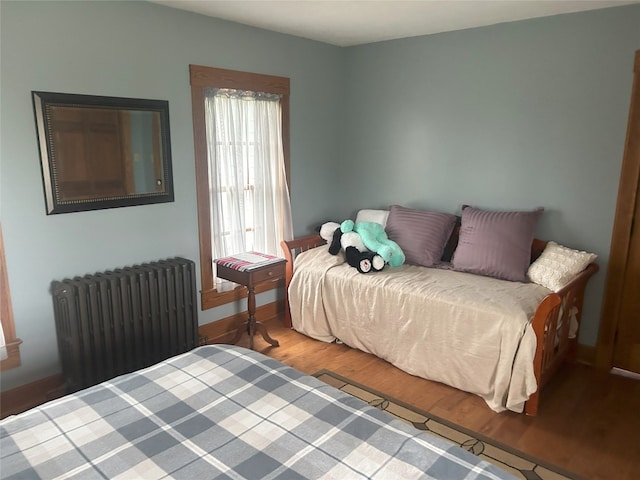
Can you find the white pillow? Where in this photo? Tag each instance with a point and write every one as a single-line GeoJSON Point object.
{"type": "Point", "coordinates": [557, 265]}
{"type": "Point", "coordinates": [377, 216]}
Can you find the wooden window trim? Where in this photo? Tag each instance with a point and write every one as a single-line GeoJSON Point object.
{"type": "Point", "coordinates": [202, 77]}
{"type": "Point", "coordinates": [6, 312]}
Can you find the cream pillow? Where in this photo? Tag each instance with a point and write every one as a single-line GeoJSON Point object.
{"type": "Point", "coordinates": [377, 216]}
{"type": "Point", "coordinates": [557, 265]}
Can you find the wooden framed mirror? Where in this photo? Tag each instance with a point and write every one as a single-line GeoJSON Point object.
{"type": "Point", "coordinates": [102, 152]}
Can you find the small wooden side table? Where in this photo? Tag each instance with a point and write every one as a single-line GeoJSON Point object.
{"type": "Point", "coordinates": [250, 276]}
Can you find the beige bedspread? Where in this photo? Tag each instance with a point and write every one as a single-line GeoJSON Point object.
{"type": "Point", "coordinates": [464, 330]}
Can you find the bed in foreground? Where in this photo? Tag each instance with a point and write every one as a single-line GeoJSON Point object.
{"type": "Point", "coordinates": [223, 412]}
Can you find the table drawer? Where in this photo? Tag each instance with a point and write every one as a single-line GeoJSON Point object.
{"type": "Point", "coordinates": [273, 272]}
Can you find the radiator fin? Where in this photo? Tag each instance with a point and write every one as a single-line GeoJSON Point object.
{"type": "Point", "coordinates": [118, 321]}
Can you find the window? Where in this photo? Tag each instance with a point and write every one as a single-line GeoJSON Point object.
{"type": "Point", "coordinates": [241, 138]}
{"type": "Point", "coordinates": [9, 344]}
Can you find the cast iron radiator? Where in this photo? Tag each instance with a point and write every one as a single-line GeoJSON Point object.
{"type": "Point", "coordinates": [118, 321]}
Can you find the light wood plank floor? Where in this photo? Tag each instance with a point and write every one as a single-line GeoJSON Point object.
{"type": "Point", "coordinates": [588, 423]}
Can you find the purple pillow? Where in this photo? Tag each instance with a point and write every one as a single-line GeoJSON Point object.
{"type": "Point", "coordinates": [496, 244]}
{"type": "Point", "coordinates": [421, 235]}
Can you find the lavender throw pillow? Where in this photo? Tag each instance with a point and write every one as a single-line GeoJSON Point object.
{"type": "Point", "coordinates": [421, 235]}
{"type": "Point", "coordinates": [496, 244]}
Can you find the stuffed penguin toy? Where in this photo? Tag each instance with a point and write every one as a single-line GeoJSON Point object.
{"type": "Point", "coordinates": [356, 253]}
{"type": "Point", "coordinates": [364, 262]}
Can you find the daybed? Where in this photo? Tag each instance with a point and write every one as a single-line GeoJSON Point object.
{"type": "Point", "coordinates": [499, 339]}
{"type": "Point", "coordinates": [224, 412]}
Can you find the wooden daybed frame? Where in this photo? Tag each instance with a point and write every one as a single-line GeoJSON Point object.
{"type": "Point", "coordinates": [551, 349]}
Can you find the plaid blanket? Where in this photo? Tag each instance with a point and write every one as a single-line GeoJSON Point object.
{"type": "Point", "coordinates": [223, 412]}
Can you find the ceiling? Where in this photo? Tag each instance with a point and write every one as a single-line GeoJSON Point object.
{"type": "Point", "coordinates": [354, 22]}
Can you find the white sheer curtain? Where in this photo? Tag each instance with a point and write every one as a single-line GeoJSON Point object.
{"type": "Point", "coordinates": [3, 345]}
{"type": "Point", "coordinates": [250, 207]}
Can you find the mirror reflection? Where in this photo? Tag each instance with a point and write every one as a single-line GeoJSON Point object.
{"type": "Point", "coordinates": [102, 152]}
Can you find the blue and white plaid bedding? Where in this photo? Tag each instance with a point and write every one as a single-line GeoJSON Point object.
{"type": "Point", "coordinates": [223, 412]}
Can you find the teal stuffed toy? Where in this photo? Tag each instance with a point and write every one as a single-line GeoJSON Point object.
{"type": "Point", "coordinates": [375, 239]}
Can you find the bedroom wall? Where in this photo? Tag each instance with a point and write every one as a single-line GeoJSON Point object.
{"type": "Point", "coordinates": [143, 50]}
{"type": "Point", "coordinates": [508, 116]}
{"type": "Point", "coordinates": [512, 116]}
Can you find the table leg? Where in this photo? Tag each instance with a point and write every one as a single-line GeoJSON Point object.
{"type": "Point", "coordinates": [242, 328]}
{"type": "Point", "coordinates": [263, 331]}
{"type": "Point", "coordinates": [251, 326]}
{"type": "Point", "coordinates": [251, 323]}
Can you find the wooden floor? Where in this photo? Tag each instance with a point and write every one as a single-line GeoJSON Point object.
{"type": "Point", "coordinates": [588, 423]}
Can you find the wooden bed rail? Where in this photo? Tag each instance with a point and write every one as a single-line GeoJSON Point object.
{"type": "Point", "coordinates": [551, 324]}
{"type": "Point", "coordinates": [551, 321]}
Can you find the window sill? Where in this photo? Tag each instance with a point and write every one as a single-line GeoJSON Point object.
{"type": "Point", "coordinates": [213, 298]}
{"type": "Point", "coordinates": [13, 352]}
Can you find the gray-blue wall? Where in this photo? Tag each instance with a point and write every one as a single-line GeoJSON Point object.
{"type": "Point", "coordinates": [139, 50]}
{"type": "Point", "coordinates": [509, 116]}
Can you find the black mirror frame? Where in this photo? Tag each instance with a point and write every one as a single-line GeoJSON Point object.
{"type": "Point", "coordinates": [43, 101]}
